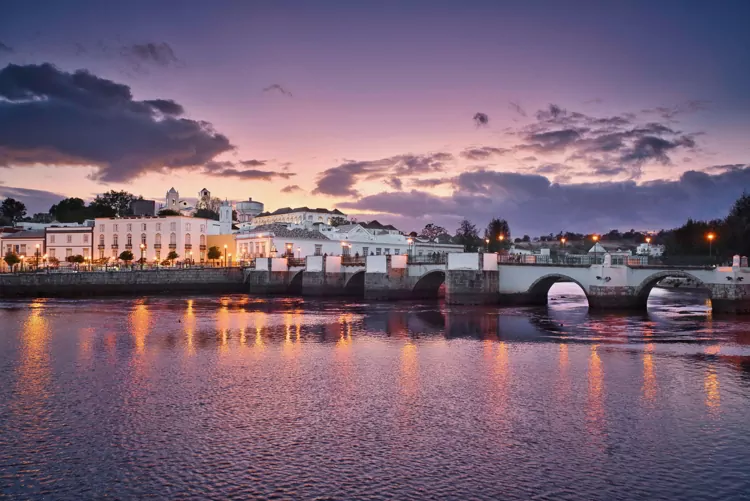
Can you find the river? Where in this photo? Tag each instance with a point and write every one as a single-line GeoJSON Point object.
{"type": "Point", "coordinates": [288, 398]}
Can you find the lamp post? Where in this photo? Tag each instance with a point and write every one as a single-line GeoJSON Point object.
{"type": "Point", "coordinates": [230, 258]}
{"type": "Point", "coordinates": [225, 255]}
{"type": "Point", "coordinates": [299, 252]}
{"type": "Point", "coordinates": [37, 256]}
{"type": "Point", "coordinates": [143, 247]}
{"type": "Point", "coordinates": [190, 258]}
{"type": "Point", "coordinates": [486, 244]}
{"type": "Point", "coordinates": [22, 261]}
{"type": "Point", "coordinates": [595, 238]}
{"type": "Point", "coordinates": [710, 238]}
{"type": "Point", "coordinates": [409, 242]}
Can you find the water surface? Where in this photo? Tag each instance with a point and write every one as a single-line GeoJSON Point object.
{"type": "Point", "coordinates": [243, 398]}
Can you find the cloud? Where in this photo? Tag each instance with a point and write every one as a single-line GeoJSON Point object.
{"type": "Point", "coordinates": [292, 188]}
{"type": "Point", "coordinates": [278, 88]}
{"type": "Point", "coordinates": [670, 112]}
{"type": "Point", "coordinates": [430, 182]}
{"type": "Point", "coordinates": [5, 48]}
{"type": "Point", "coordinates": [482, 153]}
{"type": "Point", "coordinates": [253, 163]}
{"type": "Point", "coordinates": [517, 108]}
{"type": "Point", "coordinates": [340, 181]}
{"type": "Point", "coordinates": [157, 54]}
{"type": "Point", "coordinates": [534, 204]}
{"type": "Point", "coordinates": [49, 116]}
{"type": "Point", "coordinates": [395, 183]}
{"type": "Point", "coordinates": [35, 200]}
{"type": "Point", "coordinates": [229, 169]}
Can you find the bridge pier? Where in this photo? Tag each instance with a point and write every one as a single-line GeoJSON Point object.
{"type": "Point", "coordinates": [387, 278]}
{"type": "Point", "coordinates": [270, 276]}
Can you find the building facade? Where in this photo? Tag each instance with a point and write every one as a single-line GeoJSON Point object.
{"type": "Point", "coordinates": [158, 235]}
{"type": "Point", "coordinates": [300, 215]}
{"type": "Point", "coordinates": [63, 242]}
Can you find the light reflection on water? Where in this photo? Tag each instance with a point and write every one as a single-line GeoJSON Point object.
{"type": "Point", "coordinates": [201, 397]}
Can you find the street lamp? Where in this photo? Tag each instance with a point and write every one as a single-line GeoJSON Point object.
{"type": "Point", "coordinates": [225, 255]}
{"type": "Point", "coordinates": [409, 242]}
{"type": "Point", "coordinates": [299, 253]}
{"type": "Point", "coordinates": [190, 258]}
{"type": "Point", "coordinates": [710, 238]}
{"type": "Point", "coordinates": [143, 247]}
{"type": "Point", "coordinates": [487, 244]}
{"type": "Point", "coordinates": [37, 256]}
{"type": "Point", "coordinates": [230, 257]}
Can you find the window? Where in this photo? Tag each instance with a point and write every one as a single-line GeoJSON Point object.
{"type": "Point", "coordinates": [203, 239]}
{"type": "Point", "coordinates": [85, 238]}
{"type": "Point", "coordinates": [157, 239]}
{"type": "Point", "coordinates": [130, 240]}
{"type": "Point", "coordinates": [68, 253]}
{"type": "Point", "coordinates": [101, 253]}
{"type": "Point", "coordinates": [51, 253]}
{"type": "Point", "coordinates": [85, 252]}
{"type": "Point", "coordinates": [101, 228]}
{"type": "Point", "coordinates": [377, 251]}
{"type": "Point", "coordinates": [318, 249]}
{"type": "Point", "coordinates": [114, 240]}
{"type": "Point", "coordinates": [69, 239]}
{"type": "Point", "coordinates": [173, 239]}
{"type": "Point", "coordinates": [114, 253]}
{"type": "Point", "coordinates": [173, 226]}
{"type": "Point", "coordinates": [143, 226]}
{"type": "Point", "coordinates": [114, 227]}
{"type": "Point", "coordinates": [346, 251]}
{"type": "Point", "coordinates": [101, 239]}
{"type": "Point", "coordinates": [158, 226]}
{"type": "Point", "coordinates": [23, 249]}
{"type": "Point", "coordinates": [387, 251]}
{"type": "Point", "coordinates": [143, 238]}
{"type": "Point", "coordinates": [52, 239]}
{"type": "Point", "coordinates": [396, 251]}
{"type": "Point", "coordinates": [187, 226]}
{"type": "Point", "coordinates": [187, 238]}
{"type": "Point", "coordinates": [158, 255]}
{"type": "Point", "coordinates": [365, 251]}
{"type": "Point", "coordinates": [203, 227]}
{"type": "Point", "coordinates": [289, 249]}
{"type": "Point", "coordinates": [129, 228]}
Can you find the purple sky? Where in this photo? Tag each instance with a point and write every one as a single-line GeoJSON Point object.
{"type": "Point", "coordinates": [601, 116]}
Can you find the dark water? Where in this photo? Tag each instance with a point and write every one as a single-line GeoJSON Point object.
{"type": "Point", "coordinates": [239, 398]}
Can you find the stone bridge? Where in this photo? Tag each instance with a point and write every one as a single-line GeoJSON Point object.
{"type": "Point", "coordinates": [479, 279]}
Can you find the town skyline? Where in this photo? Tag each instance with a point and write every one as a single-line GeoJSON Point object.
{"type": "Point", "coordinates": [579, 137]}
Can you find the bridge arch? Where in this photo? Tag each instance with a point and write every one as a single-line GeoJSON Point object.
{"type": "Point", "coordinates": [643, 290]}
{"type": "Point", "coordinates": [355, 284]}
{"type": "Point", "coordinates": [539, 289]}
{"type": "Point", "coordinates": [295, 283]}
{"type": "Point", "coordinates": [428, 285]}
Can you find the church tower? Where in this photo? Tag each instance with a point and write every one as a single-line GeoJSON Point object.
{"type": "Point", "coordinates": [225, 218]}
{"type": "Point", "coordinates": [173, 200]}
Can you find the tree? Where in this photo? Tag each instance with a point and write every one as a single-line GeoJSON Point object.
{"type": "Point", "coordinates": [70, 210]}
{"type": "Point", "coordinates": [467, 235]}
{"type": "Point", "coordinates": [126, 256]}
{"type": "Point", "coordinates": [498, 233]}
{"type": "Point", "coordinates": [12, 210]}
{"type": "Point", "coordinates": [214, 253]}
{"type": "Point", "coordinates": [432, 232]}
{"type": "Point", "coordinates": [338, 221]}
{"type": "Point", "coordinates": [172, 256]}
{"type": "Point", "coordinates": [168, 212]}
{"type": "Point", "coordinates": [11, 259]}
{"type": "Point", "coordinates": [207, 214]}
{"type": "Point", "coordinates": [113, 203]}
{"type": "Point", "coordinates": [39, 217]}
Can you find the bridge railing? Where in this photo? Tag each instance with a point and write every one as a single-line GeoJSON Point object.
{"type": "Point", "coordinates": [435, 258]}
{"type": "Point", "coordinates": [353, 260]}
{"type": "Point", "coordinates": [295, 261]}
{"type": "Point", "coordinates": [561, 260]}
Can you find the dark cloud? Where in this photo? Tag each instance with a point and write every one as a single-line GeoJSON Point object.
{"type": "Point", "coordinates": [49, 116]}
{"type": "Point", "coordinates": [278, 88]}
{"type": "Point", "coordinates": [670, 112]}
{"type": "Point", "coordinates": [482, 153]}
{"type": "Point", "coordinates": [430, 182]}
{"type": "Point", "coordinates": [341, 180]}
{"type": "Point", "coordinates": [35, 200]}
{"type": "Point", "coordinates": [158, 54]}
{"type": "Point", "coordinates": [292, 188]}
{"type": "Point", "coordinates": [395, 183]}
{"type": "Point", "coordinates": [253, 163]}
{"type": "Point", "coordinates": [619, 144]}
{"type": "Point", "coordinates": [229, 169]}
{"type": "Point", "coordinates": [481, 119]}
{"type": "Point", "coordinates": [5, 48]}
{"type": "Point", "coordinates": [533, 204]}
{"type": "Point", "coordinates": [517, 108]}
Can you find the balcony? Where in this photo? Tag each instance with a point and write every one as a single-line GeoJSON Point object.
{"type": "Point", "coordinates": [172, 246]}
{"type": "Point", "coordinates": [115, 246]}
{"type": "Point", "coordinates": [128, 246]}
{"type": "Point", "coordinates": [203, 247]}
{"type": "Point", "coordinates": [101, 246]}
{"type": "Point", "coordinates": [157, 246]}
{"type": "Point", "coordinates": [188, 246]}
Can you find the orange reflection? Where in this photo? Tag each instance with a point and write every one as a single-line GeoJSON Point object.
{"type": "Point", "coordinates": [649, 387]}
{"type": "Point", "coordinates": [409, 376]}
{"type": "Point", "coordinates": [189, 321]}
{"type": "Point", "coordinates": [139, 324]}
{"type": "Point", "coordinates": [711, 386]}
{"type": "Point", "coordinates": [595, 405]}
{"type": "Point", "coordinates": [34, 369]}
{"type": "Point", "coordinates": [260, 323]}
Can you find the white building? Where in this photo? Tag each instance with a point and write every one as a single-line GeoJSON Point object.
{"type": "Point", "coordinates": [300, 215]}
{"type": "Point", "coordinates": [23, 243]}
{"type": "Point", "coordinates": [64, 242]}
{"type": "Point", "coordinates": [159, 235]}
{"type": "Point", "coordinates": [648, 249]}
{"type": "Point", "coordinates": [363, 239]}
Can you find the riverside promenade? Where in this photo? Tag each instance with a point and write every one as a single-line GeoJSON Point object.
{"type": "Point", "coordinates": [122, 282]}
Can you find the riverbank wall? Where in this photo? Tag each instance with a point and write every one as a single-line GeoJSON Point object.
{"type": "Point", "coordinates": [123, 283]}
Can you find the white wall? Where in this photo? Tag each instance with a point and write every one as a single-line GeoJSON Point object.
{"type": "Point", "coordinates": [279, 264]}
{"type": "Point", "coordinates": [463, 261]}
{"type": "Point", "coordinates": [376, 264]}
{"type": "Point", "coordinates": [489, 262]}
{"type": "Point", "coordinates": [333, 264]}
{"type": "Point", "coordinates": [398, 262]}
{"type": "Point", "coordinates": [314, 263]}
{"type": "Point", "coordinates": [61, 243]}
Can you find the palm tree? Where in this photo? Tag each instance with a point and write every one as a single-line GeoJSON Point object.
{"type": "Point", "coordinates": [172, 256]}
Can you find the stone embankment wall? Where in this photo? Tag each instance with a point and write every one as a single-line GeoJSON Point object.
{"type": "Point", "coordinates": [118, 283]}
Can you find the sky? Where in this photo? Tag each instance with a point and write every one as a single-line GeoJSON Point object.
{"type": "Point", "coordinates": [599, 115]}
